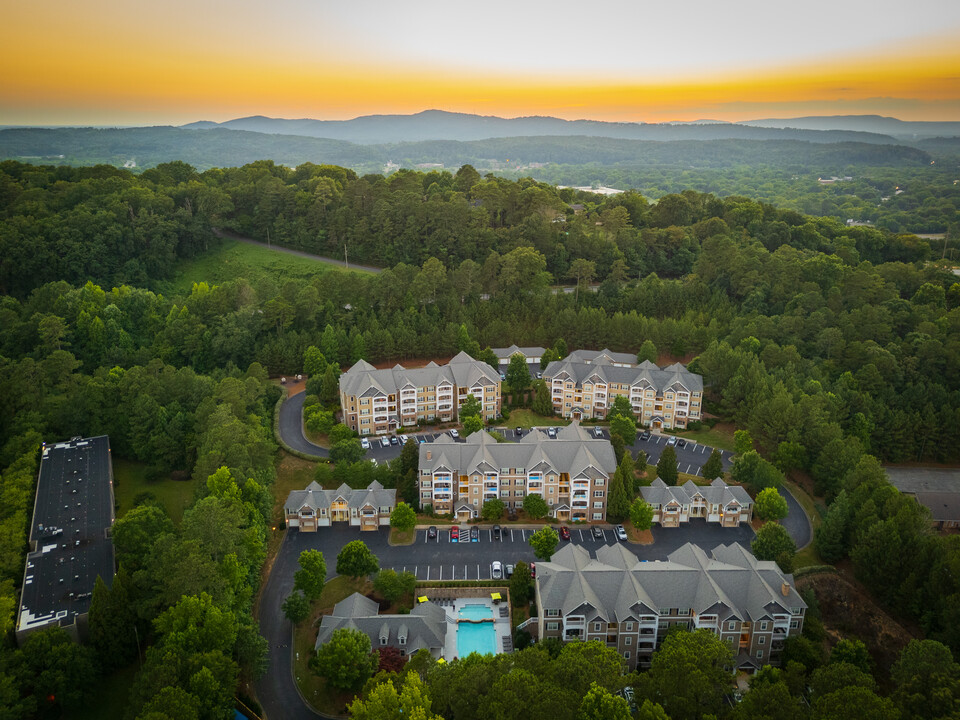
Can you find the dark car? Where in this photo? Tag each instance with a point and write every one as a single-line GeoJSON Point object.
{"type": "Point", "coordinates": [474, 534]}
{"type": "Point", "coordinates": [497, 534]}
{"type": "Point", "coordinates": [508, 571]}
{"type": "Point", "coordinates": [564, 533]}
{"type": "Point", "coordinates": [681, 443]}
{"type": "Point", "coordinates": [518, 431]}
{"type": "Point", "coordinates": [432, 532]}
{"type": "Point", "coordinates": [533, 570]}
{"type": "Point", "coordinates": [645, 435]}
{"type": "Point", "coordinates": [598, 533]}
{"type": "Point", "coordinates": [394, 440]}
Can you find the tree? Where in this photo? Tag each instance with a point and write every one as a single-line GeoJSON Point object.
{"type": "Point", "coordinates": [542, 404]}
{"type": "Point", "coordinates": [55, 670]}
{"type": "Point", "coordinates": [471, 407]}
{"type": "Point", "coordinates": [330, 387]}
{"type": "Point", "coordinates": [393, 585]}
{"type": "Point", "coordinates": [346, 660]}
{"type": "Point", "coordinates": [713, 467]}
{"type": "Point", "coordinates": [641, 514]}
{"type": "Point", "coordinates": [770, 505]}
{"type": "Point", "coordinates": [623, 427]}
{"type": "Point", "coordinates": [312, 574]}
{"type": "Point", "coordinates": [544, 542]}
{"type": "Point", "coordinates": [772, 540]}
{"type": "Point", "coordinates": [852, 651]}
{"type": "Point", "coordinates": [927, 681]}
{"type": "Point", "coordinates": [618, 500]}
{"type": "Point", "coordinates": [667, 466]}
{"type": "Point", "coordinates": [837, 675]}
{"type": "Point", "coordinates": [535, 506]}
{"type": "Point", "coordinates": [854, 702]}
{"type": "Point", "coordinates": [136, 532]}
{"type": "Point", "coordinates": [472, 424]}
{"type": "Point", "coordinates": [403, 518]}
{"type": "Point", "coordinates": [518, 376]}
{"type": "Point", "coordinates": [832, 537]}
{"type": "Point", "coordinates": [628, 470]}
{"type": "Point", "coordinates": [651, 711]}
{"type": "Point", "coordinates": [583, 271]}
{"type": "Point", "coordinates": [600, 704]}
{"type": "Point", "coordinates": [689, 675]}
{"type": "Point", "coordinates": [314, 363]}
{"type": "Point", "coordinates": [296, 607]}
{"type": "Point", "coordinates": [492, 510]}
{"type": "Point", "coordinates": [769, 701]}
{"type": "Point", "coordinates": [347, 451]}
{"type": "Point", "coordinates": [521, 587]}
{"type": "Point", "coordinates": [621, 406]}
{"type": "Point", "coordinates": [356, 560]}
{"type": "Point", "coordinates": [755, 473]}
{"type": "Point", "coordinates": [648, 352]}
{"type": "Point", "coordinates": [742, 442]}
{"type": "Point", "coordinates": [383, 702]}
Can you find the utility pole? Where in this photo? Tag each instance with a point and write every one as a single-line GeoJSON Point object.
{"type": "Point", "coordinates": [345, 262]}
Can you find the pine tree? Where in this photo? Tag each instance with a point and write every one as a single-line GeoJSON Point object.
{"type": "Point", "coordinates": [542, 404]}
{"type": "Point", "coordinates": [330, 389]}
{"type": "Point", "coordinates": [667, 466]}
{"type": "Point", "coordinates": [713, 468]}
{"type": "Point", "coordinates": [618, 503]}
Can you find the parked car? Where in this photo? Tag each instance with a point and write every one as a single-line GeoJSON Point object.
{"type": "Point", "coordinates": [518, 431]}
{"type": "Point", "coordinates": [403, 439]}
{"type": "Point", "coordinates": [539, 375]}
{"type": "Point", "coordinates": [598, 432]}
{"type": "Point", "coordinates": [645, 435]}
{"type": "Point", "coordinates": [681, 443]}
{"type": "Point", "coordinates": [474, 534]}
{"type": "Point", "coordinates": [364, 443]}
{"type": "Point", "coordinates": [508, 571]}
{"type": "Point", "coordinates": [497, 534]}
{"type": "Point", "coordinates": [422, 439]}
{"type": "Point", "coordinates": [672, 440]}
{"type": "Point", "coordinates": [503, 376]}
{"type": "Point", "coordinates": [385, 442]}
{"type": "Point", "coordinates": [394, 440]}
{"type": "Point", "coordinates": [464, 535]}
{"type": "Point", "coordinates": [628, 694]}
{"type": "Point", "coordinates": [598, 533]}
{"type": "Point", "coordinates": [551, 432]}
{"type": "Point", "coordinates": [564, 533]}
{"type": "Point", "coordinates": [454, 434]}
{"type": "Point", "coordinates": [496, 570]}
{"type": "Point", "coordinates": [454, 534]}
{"type": "Point", "coordinates": [432, 532]}
{"type": "Point", "coordinates": [533, 570]}
{"type": "Point", "coordinates": [621, 532]}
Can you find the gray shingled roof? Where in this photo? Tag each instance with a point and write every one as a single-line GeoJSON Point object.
{"type": "Point", "coordinates": [675, 377]}
{"type": "Point", "coordinates": [364, 380]}
{"type": "Point", "coordinates": [604, 356]}
{"type": "Point", "coordinates": [943, 506]}
{"type": "Point", "coordinates": [314, 496]}
{"type": "Point", "coordinates": [504, 354]}
{"type": "Point", "coordinates": [424, 627]}
{"type": "Point", "coordinates": [658, 493]}
{"type": "Point", "coordinates": [616, 586]}
{"type": "Point", "coordinates": [574, 451]}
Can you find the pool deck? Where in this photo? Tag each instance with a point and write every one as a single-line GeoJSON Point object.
{"type": "Point", "coordinates": [501, 624]}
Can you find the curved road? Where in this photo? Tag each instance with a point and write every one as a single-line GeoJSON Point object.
{"type": "Point", "coordinates": [796, 522]}
{"type": "Point", "coordinates": [291, 427]}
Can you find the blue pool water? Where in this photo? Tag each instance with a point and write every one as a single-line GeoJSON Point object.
{"type": "Point", "coordinates": [476, 638]}
{"type": "Point", "coordinates": [476, 612]}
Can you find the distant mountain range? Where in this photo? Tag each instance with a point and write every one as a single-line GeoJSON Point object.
{"type": "Point", "coordinates": [442, 125]}
{"type": "Point", "coordinates": [900, 129]}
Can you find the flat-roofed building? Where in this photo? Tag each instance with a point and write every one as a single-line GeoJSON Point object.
{"type": "Point", "coordinates": [631, 605]}
{"type": "Point", "coordinates": [585, 384]}
{"type": "Point", "coordinates": [570, 472]}
{"type": "Point", "coordinates": [70, 541]}
{"type": "Point", "coordinates": [375, 401]}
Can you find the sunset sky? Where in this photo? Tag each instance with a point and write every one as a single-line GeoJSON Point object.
{"type": "Point", "coordinates": [129, 62]}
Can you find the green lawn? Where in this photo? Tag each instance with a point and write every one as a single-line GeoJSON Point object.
{"type": "Point", "coordinates": [130, 480]}
{"type": "Point", "coordinates": [528, 419]}
{"type": "Point", "coordinates": [233, 259]}
{"type": "Point", "coordinates": [111, 693]}
{"type": "Point", "coordinates": [719, 436]}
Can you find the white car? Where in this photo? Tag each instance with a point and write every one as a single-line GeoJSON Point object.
{"type": "Point", "coordinates": [385, 442]}
{"type": "Point", "coordinates": [598, 432]}
{"type": "Point", "coordinates": [672, 440]}
{"type": "Point", "coordinates": [621, 533]}
{"type": "Point", "coordinates": [454, 434]}
{"type": "Point", "coordinates": [364, 443]}
{"type": "Point", "coordinates": [496, 570]}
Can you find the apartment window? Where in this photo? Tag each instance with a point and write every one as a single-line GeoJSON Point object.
{"type": "Point", "coordinates": [761, 640]}
{"type": "Point", "coordinates": [598, 481]}
{"type": "Point", "coordinates": [794, 624]}
{"type": "Point", "coordinates": [763, 625]}
{"type": "Point", "coordinates": [425, 495]}
{"type": "Point", "coordinates": [550, 490]}
{"type": "Point", "coordinates": [553, 613]}
{"type": "Point", "coordinates": [628, 627]}
{"type": "Point", "coordinates": [598, 516]}
{"type": "Point", "coordinates": [598, 506]}
{"type": "Point", "coordinates": [598, 493]}
{"type": "Point", "coordinates": [553, 626]}
{"type": "Point", "coordinates": [628, 641]}
{"type": "Point", "coordinates": [731, 625]}
{"type": "Point", "coordinates": [759, 654]}
{"type": "Point", "coordinates": [626, 655]}
{"type": "Point", "coordinates": [597, 627]}
{"type": "Point", "coordinates": [504, 493]}
{"type": "Point", "coordinates": [383, 641]}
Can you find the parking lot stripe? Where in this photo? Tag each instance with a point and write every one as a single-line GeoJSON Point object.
{"type": "Point", "coordinates": [688, 469]}
{"type": "Point", "coordinates": [581, 535]}
{"type": "Point", "coordinates": [511, 534]}
{"type": "Point", "coordinates": [478, 571]}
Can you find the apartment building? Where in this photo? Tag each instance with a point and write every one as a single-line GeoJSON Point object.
{"type": "Point", "coordinates": [585, 384]}
{"type": "Point", "coordinates": [531, 355]}
{"type": "Point", "coordinates": [630, 605]}
{"type": "Point", "coordinates": [381, 401]}
{"type": "Point", "coordinates": [570, 472]}
{"type": "Point", "coordinates": [727, 505]}
{"type": "Point", "coordinates": [315, 507]}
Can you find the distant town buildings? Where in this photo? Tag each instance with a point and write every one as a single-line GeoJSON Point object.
{"type": "Point", "coordinates": [631, 605]}
{"type": "Point", "coordinates": [381, 401]}
{"type": "Point", "coordinates": [70, 541]}
{"type": "Point", "coordinates": [570, 472]}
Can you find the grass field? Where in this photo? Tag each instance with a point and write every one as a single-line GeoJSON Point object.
{"type": "Point", "coordinates": [313, 687]}
{"type": "Point", "coordinates": [528, 419]}
{"type": "Point", "coordinates": [719, 436]}
{"type": "Point", "coordinates": [233, 259]}
{"type": "Point", "coordinates": [130, 480]}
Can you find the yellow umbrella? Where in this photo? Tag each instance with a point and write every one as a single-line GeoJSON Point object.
{"type": "Point", "coordinates": [441, 660]}
{"type": "Point", "coordinates": [423, 599]}
{"type": "Point", "coordinates": [495, 596]}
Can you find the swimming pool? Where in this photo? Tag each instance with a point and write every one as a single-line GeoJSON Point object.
{"type": "Point", "coordinates": [475, 612]}
{"type": "Point", "coordinates": [476, 638]}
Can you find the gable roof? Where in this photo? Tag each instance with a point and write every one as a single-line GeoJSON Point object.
{"type": "Point", "coordinates": [315, 497]}
{"type": "Point", "coordinates": [424, 627]}
{"type": "Point", "coordinates": [364, 380]}
{"type": "Point", "coordinates": [601, 369]}
{"type": "Point", "coordinates": [658, 493]}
